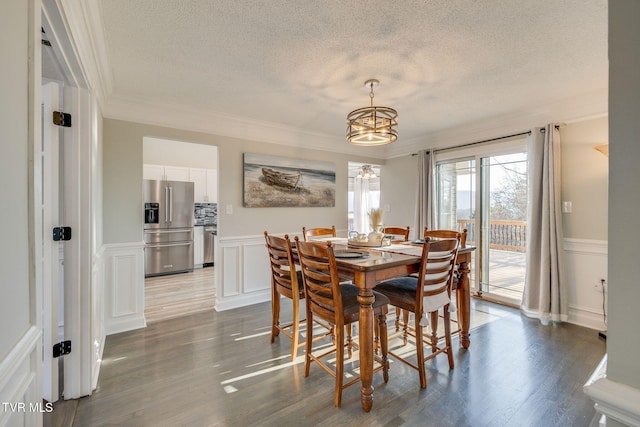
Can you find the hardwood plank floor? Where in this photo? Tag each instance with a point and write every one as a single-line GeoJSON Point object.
{"type": "Point", "coordinates": [219, 369]}
{"type": "Point", "coordinates": [175, 295]}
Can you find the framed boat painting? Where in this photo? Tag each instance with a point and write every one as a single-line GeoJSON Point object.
{"type": "Point", "coordinates": [271, 181]}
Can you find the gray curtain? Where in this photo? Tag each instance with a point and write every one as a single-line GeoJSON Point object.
{"type": "Point", "coordinates": [545, 290]}
{"type": "Point", "coordinates": [425, 212]}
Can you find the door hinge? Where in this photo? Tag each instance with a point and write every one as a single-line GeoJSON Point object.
{"type": "Point", "coordinates": [62, 119]}
{"type": "Point", "coordinates": [61, 233]}
{"type": "Point", "coordinates": [62, 348]}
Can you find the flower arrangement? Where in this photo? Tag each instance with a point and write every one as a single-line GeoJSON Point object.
{"type": "Point", "coordinates": [375, 218]}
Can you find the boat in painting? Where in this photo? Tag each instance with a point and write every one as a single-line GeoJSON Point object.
{"type": "Point", "coordinates": [283, 179]}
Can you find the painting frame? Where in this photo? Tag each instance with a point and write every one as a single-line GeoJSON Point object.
{"type": "Point", "coordinates": [275, 181]}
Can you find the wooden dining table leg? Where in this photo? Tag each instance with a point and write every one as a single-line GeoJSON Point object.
{"type": "Point", "coordinates": [464, 304]}
{"type": "Point", "coordinates": [366, 299]}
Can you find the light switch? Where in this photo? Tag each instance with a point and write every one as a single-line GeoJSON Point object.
{"type": "Point", "coordinates": [567, 207]}
{"type": "Point", "coordinates": [229, 209]}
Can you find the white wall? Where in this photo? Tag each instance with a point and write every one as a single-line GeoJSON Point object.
{"type": "Point", "coordinates": [20, 328]}
{"type": "Point", "coordinates": [157, 151]}
{"type": "Point", "coordinates": [623, 341]}
{"type": "Point", "coordinates": [585, 178]}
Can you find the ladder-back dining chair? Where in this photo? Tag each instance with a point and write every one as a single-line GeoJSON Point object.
{"type": "Point", "coordinates": [424, 296]}
{"type": "Point", "coordinates": [287, 282]}
{"type": "Point", "coordinates": [398, 233]}
{"type": "Point", "coordinates": [309, 233]}
{"type": "Point", "coordinates": [336, 303]}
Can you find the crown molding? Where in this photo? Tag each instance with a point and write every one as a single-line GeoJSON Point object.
{"type": "Point", "coordinates": [158, 113]}
{"type": "Point", "coordinates": [571, 110]}
{"type": "Point", "coordinates": [86, 33]}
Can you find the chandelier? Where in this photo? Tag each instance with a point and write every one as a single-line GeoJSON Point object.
{"type": "Point", "coordinates": [371, 125]}
{"type": "Point", "coordinates": [366, 172]}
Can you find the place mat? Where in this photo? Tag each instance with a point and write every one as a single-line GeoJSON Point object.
{"type": "Point", "coordinates": [400, 248]}
{"type": "Point", "coordinates": [369, 244]}
{"type": "Point", "coordinates": [336, 240]}
{"type": "Point", "coordinates": [350, 254]}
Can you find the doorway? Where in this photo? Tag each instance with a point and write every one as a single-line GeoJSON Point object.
{"type": "Point", "coordinates": [174, 295]}
{"type": "Point", "coordinates": [484, 191]}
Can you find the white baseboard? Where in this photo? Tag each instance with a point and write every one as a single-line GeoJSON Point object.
{"type": "Point", "coordinates": [238, 301]}
{"type": "Point", "coordinates": [615, 400]}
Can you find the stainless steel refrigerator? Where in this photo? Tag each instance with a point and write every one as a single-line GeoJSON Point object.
{"type": "Point", "coordinates": [168, 227]}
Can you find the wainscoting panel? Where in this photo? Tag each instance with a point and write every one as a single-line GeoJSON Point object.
{"type": "Point", "coordinates": [124, 287]}
{"type": "Point", "coordinates": [257, 275]}
{"type": "Point", "coordinates": [586, 265]}
{"type": "Point", "coordinates": [244, 277]}
{"type": "Point", "coordinates": [19, 385]}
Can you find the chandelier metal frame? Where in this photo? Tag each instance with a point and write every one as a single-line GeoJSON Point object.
{"type": "Point", "coordinates": [373, 125]}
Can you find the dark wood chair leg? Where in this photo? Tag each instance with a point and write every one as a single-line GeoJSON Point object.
{"type": "Point", "coordinates": [275, 314]}
{"type": "Point", "coordinates": [384, 345]}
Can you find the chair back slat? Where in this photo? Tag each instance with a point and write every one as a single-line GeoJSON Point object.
{"type": "Point", "coordinates": [403, 233]}
{"type": "Point", "coordinates": [307, 233]}
{"type": "Point", "coordinates": [437, 265]}
{"type": "Point", "coordinates": [283, 271]}
{"type": "Point", "coordinates": [320, 277]}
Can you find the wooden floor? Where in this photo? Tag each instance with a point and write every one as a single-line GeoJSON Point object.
{"type": "Point", "coordinates": [175, 295]}
{"type": "Point", "coordinates": [219, 369]}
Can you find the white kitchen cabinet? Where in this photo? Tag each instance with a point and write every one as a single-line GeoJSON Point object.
{"type": "Point", "coordinates": [153, 172]}
{"type": "Point", "coordinates": [205, 183]}
{"type": "Point", "coordinates": [199, 178]}
{"type": "Point", "coordinates": [212, 185]}
{"type": "Point", "coordinates": [165, 173]}
{"type": "Point", "coordinates": [198, 247]}
{"type": "Point", "coordinates": [176, 173]}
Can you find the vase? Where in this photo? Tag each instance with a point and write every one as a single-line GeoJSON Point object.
{"type": "Point", "coordinates": [376, 235]}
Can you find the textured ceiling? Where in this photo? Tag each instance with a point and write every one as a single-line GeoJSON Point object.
{"type": "Point", "coordinates": [302, 64]}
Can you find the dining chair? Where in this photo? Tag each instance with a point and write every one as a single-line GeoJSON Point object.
{"type": "Point", "coordinates": [398, 233]}
{"type": "Point", "coordinates": [439, 234]}
{"type": "Point", "coordinates": [318, 232]}
{"type": "Point", "coordinates": [336, 303]}
{"type": "Point", "coordinates": [450, 234]}
{"type": "Point", "coordinates": [424, 296]}
{"type": "Point", "coordinates": [287, 282]}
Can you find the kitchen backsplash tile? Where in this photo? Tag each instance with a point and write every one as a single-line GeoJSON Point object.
{"type": "Point", "coordinates": [206, 213]}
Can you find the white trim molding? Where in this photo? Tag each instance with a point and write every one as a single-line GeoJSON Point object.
{"type": "Point", "coordinates": [19, 383]}
{"type": "Point", "coordinates": [98, 334]}
{"type": "Point", "coordinates": [614, 400]}
{"type": "Point", "coordinates": [124, 287]}
{"type": "Point", "coordinates": [244, 275]}
{"type": "Point", "coordinates": [585, 266]}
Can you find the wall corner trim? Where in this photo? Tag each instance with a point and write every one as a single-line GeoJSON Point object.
{"type": "Point", "coordinates": [613, 399]}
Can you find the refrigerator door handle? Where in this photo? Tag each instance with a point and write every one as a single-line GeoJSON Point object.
{"type": "Point", "coordinates": [170, 203]}
{"type": "Point", "coordinates": [167, 214]}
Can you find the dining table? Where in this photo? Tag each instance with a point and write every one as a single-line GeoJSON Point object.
{"type": "Point", "coordinates": [387, 262]}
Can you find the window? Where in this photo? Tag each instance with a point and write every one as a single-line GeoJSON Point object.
{"type": "Point", "coordinates": [363, 194]}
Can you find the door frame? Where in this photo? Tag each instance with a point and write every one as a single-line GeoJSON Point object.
{"type": "Point", "coordinates": [476, 152]}
{"type": "Point", "coordinates": [79, 183]}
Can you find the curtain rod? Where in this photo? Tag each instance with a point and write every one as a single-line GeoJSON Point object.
{"type": "Point", "coordinates": [484, 141]}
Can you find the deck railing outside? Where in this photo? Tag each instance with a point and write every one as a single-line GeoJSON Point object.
{"type": "Point", "coordinates": [505, 235]}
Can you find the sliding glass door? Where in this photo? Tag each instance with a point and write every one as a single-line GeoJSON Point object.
{"type": "Point", "coordinates": [495, 220]}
